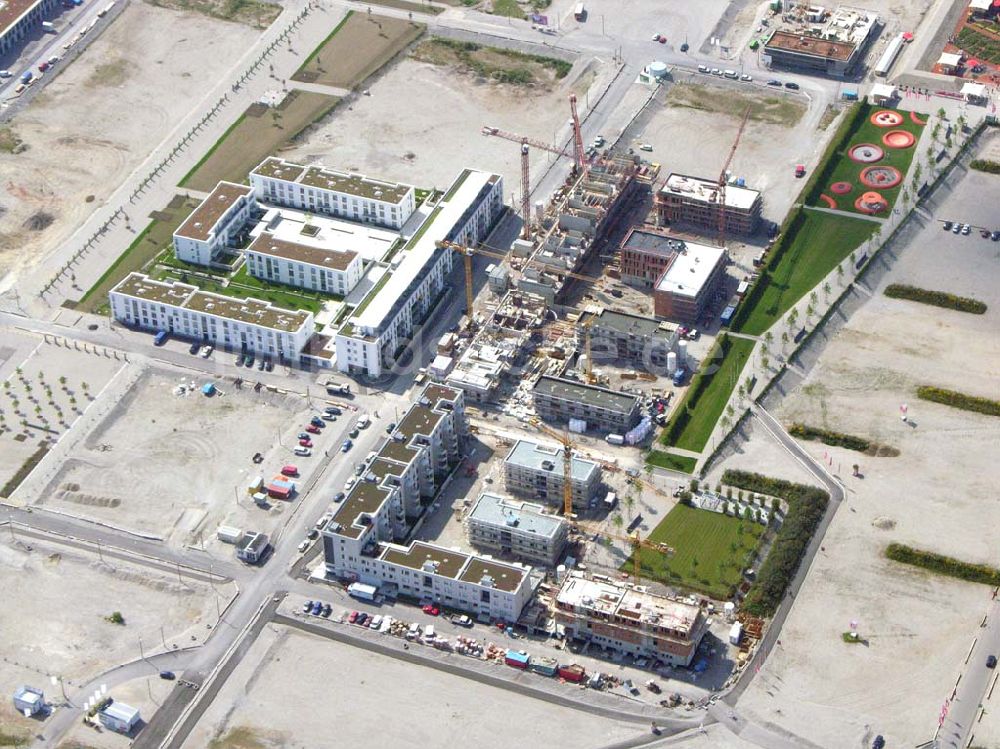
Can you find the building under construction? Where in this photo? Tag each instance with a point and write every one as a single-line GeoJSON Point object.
{"type": "Point", "coordinates": [698, 201]}
{"type": "Point", "coordinates": [499, 346]}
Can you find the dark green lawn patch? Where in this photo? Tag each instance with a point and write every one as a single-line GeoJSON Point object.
{"type": "Point", "coordinates": [942, 565]}
{"type": "Point", "coordinates": [959, 400]}
{"type": "Point", "coordinates": [935, 298]}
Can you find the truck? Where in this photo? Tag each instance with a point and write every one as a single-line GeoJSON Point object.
{"type": "Point", "coordinates": [337, 388]}
{"type": "Point", "coordinates": [679, 376]}
{"type": "Point", "coordinates": [362, 591]}
{"type": "Point", "coordinates": [579, 12]}
{"type": "Point", "coordinates": [571, 672]}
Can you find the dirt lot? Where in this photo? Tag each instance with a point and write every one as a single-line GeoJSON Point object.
{"type": "Point", "coordinates": [429, 708]}
{"type": "Point", "coordinates": [177, 466]}
{"type": "Point", "coordinates": [918, 627]}
{"type": "Point", "coordinates": [359, 46]}
{"type": "Point", "coordinates": [502, 65]}
{"type": "Point", "coordinates": [694, 134]}
{"type": "Point", "coordinates": [57, 599]}
{"type": "Point", "coordinates": [250, 12]}
{"type": "Point", "coordinates": [260, 132]}
{"type": "Point", "coordinates": [54, 387]}
{"type": "Point", "coordinates": [80, 148]}
{"type": "Point", "coordinates": [373, 137]}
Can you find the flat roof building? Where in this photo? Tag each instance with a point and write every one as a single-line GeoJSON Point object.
{"type": "Point", "coordinates": [688, 283]}
{"type": "Point", "coordinates": [695, 201]}
{"type": "Point", "coordinates": [622, 618]}
{"type": "Point", "coordinates": [558, 400]}
{"type": "Point", "coordinates": [360, 541]}
{"type": "Point", "coordinates": [831, 44]}
{"type": "Point", "coordinates": [404, 291]}
{"type": "Point", "coordinates": [521, 530]}
{"type": "Point", "coordinates": [536, 471]}
{"type": "Point", "coordinates": [120, 718]}
{"type": "Point", "coordinates": [223, 321]}
{"type": "Point", "coordinates": [619, 336]}
{"type": "Point", "coordinates": [327, 191]}
{"type": "Point", "coordinates": [302, 265]}
{"type": "Point", "coordinates": [215, 224]}
{"type": "Point", "coordinates": [18, 18]}
{"type": "Point", "coordinates": [29, 701]}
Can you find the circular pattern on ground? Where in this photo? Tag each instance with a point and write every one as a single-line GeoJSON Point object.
{"type": "Point", "coordinates": [841, 188]}
{"type": "Point", "coordinates": [882, 177]}
{"type": "Point", "coordinates": [887, 118]}
{"type": "Point", "coordinates": [916, 120]}
{"type": "Point", "coordinates": [866, 153]}
{"type": "Point", "coordinates": [830, 202]}
{"type": "Point", "coordinates": [871, 202]}
{"type": "Point", "coordinates": [898, 139]}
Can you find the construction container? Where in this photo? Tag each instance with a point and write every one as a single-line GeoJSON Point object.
{"type": "Point", "coordinates": [545, 666]}
{"type": "Point", "coordinates": [736, 633]}
{"type": "Point", "coordinates": [517, 659]}
{"type": "Point", "coordinates": [572, 672]}
{"type": "Point", "coordinates": [228, 534]}
{"type": "Point", "coordinates": [255, 486]}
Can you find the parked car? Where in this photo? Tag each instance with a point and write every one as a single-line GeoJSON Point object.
{"type": "Point", "coordinates": [685, 47]}
{"type": "Point", "coordinates": [375, 622]}
{"type": "Point", "coordinates": [332, 410]}
{"type": "Point", "coordinates": [6, 74]}
{"type": "Point", "coordinates": [303, 545]}
{"type": "Point", "coordinates": [207, 351]}
{"type": "Point", "coordinates": [656, 37]}
{"type": "Point", "coordinates": [312, 534]}
{"type": "Point", "coordinates": [311, 429]}
{"type": "Point", "coordinates": [966, 230]}
{"type": "Point", "coordinates": [703, 68]}
{"type": "Point", "coordinates": [774, 82]}
{"type": "Point", "coordinates": [984, 233]}
{"type": "Point", "coordinates": [362, 618]}
{"type": "Point", "coordinates": [991, 661]}
{"type": "Point", "coordinates": [746, 78]}
{"type": "Point", "coordinates": [995, 236]}
{"type": "Point", "coordinates": [353, 617]}
{"type": "Point", "coordinates": [305, 442]}
{"type": "Point", "coordinates": [248, 360]}
{"type": "Point", "coordinates": [317, 607]}
{"type": "Point", "coordinates": [346, 446]}
{"type": "Point", "coordinates": [791, 85]}
{"type": "Point", "coordinates": [168, 675]}
{"type": "Point", "coordinates": [239, 360]}
{"type": "Point", "coordinates": [43, 66]}
{"type": "Point", "coordinates": [956, 228]}
{"type": "Point", "coordinates": [193, 348]}
{"type": "Point", "coordinates": [307, 606]}
{"type": "Point", "coordinates": [392, 425]}
{"type": "Point", "coordinates": [339, 497]}
{"type": "Point", "coordinates": [431, 609]}
{"type": "Point", "coordinates": [327, 610]}
{"type": "Point", "coordinates": [290, 469]}
{"type": "Point", "coordinates": [302, 452]}
{"type": "Point", "coordinates": [946, 225]}
{"type": "Point", "coordinates": [462, 621]}
{"type": "Point", "coordinates": [303, 436]}
{"type": "Point", "coordinates": [316, 421]}
{"type": "Point", "coordinates": [879, 742]}
{"type": "Point", "coordinates": [329, 417]}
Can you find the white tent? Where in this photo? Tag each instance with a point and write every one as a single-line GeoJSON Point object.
{"type": "Point", "coordinates": [950, 59]}
{"type": "Point", "coordinates": [883, 92]}
{"type": "Point", "coordinates": [974, 91]}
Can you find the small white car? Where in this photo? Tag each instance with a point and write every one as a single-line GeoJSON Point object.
{"type": "Point", "coordinates": [303, 545]}
{"type": "Point", "coordinates": [746, 78]}
{"type": "Point", "coordinates": [206, 351]}
{"type": "Point", "coordinates": [303, 452]}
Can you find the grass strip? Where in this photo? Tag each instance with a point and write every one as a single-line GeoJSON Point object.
{"type": "Point", "coordinates": [956, 399]}
{"type": "Point", "coordinates": [682, 463]}
{"type": "Point", "coordinates": [213, 149]}
{"type": "Point", "coordinates": [942, 565]}
{"type": "Point", "coordinates": [320, 46]}
{"type": "Point", "coordinates": [935, 298]}
{"type": "Point", "coordinates": [985, 165]}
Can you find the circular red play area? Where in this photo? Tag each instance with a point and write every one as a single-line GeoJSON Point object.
{"type": "Point", "coordinates": [882, 177]}
{"type": "Point", "coordinates": [887, 118]}
{"type": "Point", "coordinates": [898, 139]}
{"type": "Point", "coordinates": [865, 153]}
{"type": "Point", "coordinates": [841, 188]}
{"type": "Point", "coordinates": [871, 202]}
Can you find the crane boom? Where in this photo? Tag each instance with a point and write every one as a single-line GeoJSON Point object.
{"type": "Point", "coordinates": [721, 203]}
{"type": "Point", "coordinates": [498, 255]}
{"type": "Point", "coordinates": [525, 191]}
{"type": "Point", "coordinates": [495, 131]}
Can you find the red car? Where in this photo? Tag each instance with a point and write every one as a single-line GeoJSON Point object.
{"type": "Point", "coordinates": [353, 617]}
{"type": "Point", "coordinates": [312, 429]}
{"type": "Point", "coordinates": [431, 609]}
{"type": "Point", "coordinates": [306, 443]}
{"type": "Point", "coordinates": [290, 470]}
{"type": "Point", "coordinates": [43, 66]}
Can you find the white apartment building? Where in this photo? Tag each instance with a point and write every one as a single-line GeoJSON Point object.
{"type": "Point", "coordinates": [294, 264]}
{"type": "Point", "coordinates": [525, 531]}
{"type": "Point", "coordinates": [185, 311]}
{"type": "Point", "coordinates": [18, 18]}
{"type": "Point", "coordinates": [320, 190]}
{"type": "Point", "coordinates": [214, 224]}
{"type": "Point", "coordinates": [536, 471]}
{"type": "Point", "coordinates": [404, 291]}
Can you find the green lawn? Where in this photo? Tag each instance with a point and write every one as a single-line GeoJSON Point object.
{"type": "Point", "coordinates": [847, 170]}
{"type": "Point", "coordinates": [821, 242]}
{"type": "Point", "coordinates": [708, 394]}
{"type": "Point", "coordinates": [150, 242]}
{"type": "Point", "coordinates": [710, 550]}
{"type": "Point", "coordinates": [681, 463]}
{"type": "Point", "coordinates": [507, 8]}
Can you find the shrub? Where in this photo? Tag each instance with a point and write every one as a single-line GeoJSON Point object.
{"type": "Point", "coordinates": [115, 617]}
{"type": "Point", "coordinates": [806, 505]}
{"type": "Point", "coordinates": [985, 165]}
{"type": "Point", "coordinates": [959, 400]}
{"type": "Point", "coordinates": [827, 437]}
{"type": "Point", "coordinates": [973, 573]}
{"type": "Point", "coordinates": [936, 298]}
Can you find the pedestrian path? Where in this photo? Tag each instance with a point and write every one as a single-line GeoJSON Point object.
{"type": "Point", "coordinates": [845, 214]}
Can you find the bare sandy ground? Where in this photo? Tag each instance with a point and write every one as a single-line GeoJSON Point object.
{"type": "Point", "coordinates": [939, 495]}
{"type": "Point", "coordinates": [96, 122]}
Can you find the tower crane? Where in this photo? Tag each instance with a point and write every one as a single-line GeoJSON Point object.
{"type": "Point", "coordinates": [567, 444]}
{"type": "Point", "coordinates": [721, 193]}
{"type": "Point", "coordinates": [636, 545]}
{"type": "Point", "coordinates": [525, 191]}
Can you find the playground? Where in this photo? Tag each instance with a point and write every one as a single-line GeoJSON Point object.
{"type": "Point", "coordinates": [870, 166]}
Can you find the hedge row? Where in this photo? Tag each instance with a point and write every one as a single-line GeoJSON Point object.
{"type": "Point", "coordinates": [936, 298]}
{"type": "Point", "coordinates": [974, 573]}
{"type": "Point", "coordinates": [806, 505]}
{"type": "Point", "coordinates": [985, 165]}
{"type": "Point", "coordinates": [22, 473]}
{"type": "Point", "coordinates": [959, 400]}
{"type": "Point", "coordinates": [828, 437]}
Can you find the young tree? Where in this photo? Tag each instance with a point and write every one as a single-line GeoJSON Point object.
{"type": "Point", "coordinates": [826, 291]}
{"type": "Point", "coordinates": [768, 339]}
{"type": "Point", "coordinates": [784, 341]}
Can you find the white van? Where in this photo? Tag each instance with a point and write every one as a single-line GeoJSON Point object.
{"type": "Point", "coordinates": [429, 632]}
{"type": "Point", "coordinates": [363, 421]}
{"type": "Point", "coordinates": [413, 632]}
{"type": "Point", "coordinates": [730, 74]}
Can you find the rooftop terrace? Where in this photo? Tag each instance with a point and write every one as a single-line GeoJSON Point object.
{"type": "Point", "coordinates": [268, 244]}
{"type": "Point", "coordinates": [202, 221]}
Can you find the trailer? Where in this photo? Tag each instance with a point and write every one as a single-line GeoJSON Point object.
{"type": "Point", "coordinates": [228, 534]}
{"type": "Point", "coordinates": [517, 659]}
{"type": "Point", "coordinates": [545, 666]}
{"type": "Point", "coordinates": [572, 672]}
{"type": "Point", "coordinates": [362, 591]}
